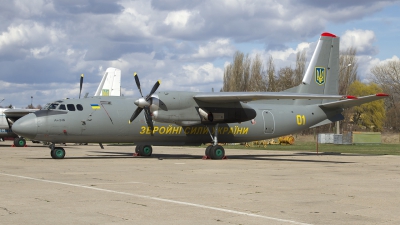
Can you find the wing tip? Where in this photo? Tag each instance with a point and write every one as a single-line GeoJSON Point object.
{"type": "Point", "coordinates": [382, 95]}
{"type": "Point", "coordinates": [350, 97]}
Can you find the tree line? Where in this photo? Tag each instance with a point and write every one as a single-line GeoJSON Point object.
{"type": "Point", "coordinates": [247, 73]}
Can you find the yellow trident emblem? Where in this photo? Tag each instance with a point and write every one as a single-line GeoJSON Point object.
{"type": "Point", "coordinates": [105, 92]}
{"type": "Point", "coordinates": [320, 75]}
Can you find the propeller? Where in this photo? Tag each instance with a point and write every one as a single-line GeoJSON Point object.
{"type": "Point", "coordinates": [144, 103]}
{"type": "Point", "coordinates": [80, 88]}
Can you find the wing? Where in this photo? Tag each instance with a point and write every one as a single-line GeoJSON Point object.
{"type": "Point", "coordinates": [18, 112]}
{"type": "Point", "coordinates": [14, 114]}
{"type": "Point", "coordinates": [353, 102]}
{"type": "Point", "coordinates": [253, 96]}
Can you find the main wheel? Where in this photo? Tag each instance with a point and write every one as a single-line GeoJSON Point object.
{"type": "Point", "coordinates": [57, 153]}
{"type": "Point", "coordinates": [19, 142]}
{"type": "Point", "coordinates": [145, 150]}
{"type": "Point", "coordinates": [137, 149]}
{"type": "Point", "coordinates": [217, 152]}
{"type": "Point", "coordinates": [208, 149]}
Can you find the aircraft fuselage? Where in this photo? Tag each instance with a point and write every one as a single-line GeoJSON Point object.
{"type": "Point", "coordinates": [105, 119]}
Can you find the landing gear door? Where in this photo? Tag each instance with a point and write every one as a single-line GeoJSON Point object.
{"type": "Point", "coordinates": [269, 122]}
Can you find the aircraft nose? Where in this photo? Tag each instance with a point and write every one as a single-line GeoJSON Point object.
{"type": "Point", "coordinates": [26, 126]}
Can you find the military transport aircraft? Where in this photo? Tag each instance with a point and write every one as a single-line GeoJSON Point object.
{"type": "Point", "coordinates": [188, 118]}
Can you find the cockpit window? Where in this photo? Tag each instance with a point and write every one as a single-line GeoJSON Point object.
{"type": "Point", "coordinates": [62, 107]}
{"type": "Point", "coordinates": [79, 107]}
{"type": "Point", "coordinates": [71, 107]}
{"type": "Point", "coordinates": [53, 106]}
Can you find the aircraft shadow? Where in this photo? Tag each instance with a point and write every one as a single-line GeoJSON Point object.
{"type": "Point", "coordinates": [9, 144]}
{"type": "Point", "coordinates": [264, 157]}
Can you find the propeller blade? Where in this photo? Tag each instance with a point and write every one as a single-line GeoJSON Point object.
{"type": "Point", "coordinates": [156, 85]}
{"type": "Point", "coordinates": [135, 114]}
{"type": "Point", "coordinates": [80, 88]}
{"type": "Point", "coordinates": [149, 121]}
{"type": "Point", "coordinates": [137, 83]}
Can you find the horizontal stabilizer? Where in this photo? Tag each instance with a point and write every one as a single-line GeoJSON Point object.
{"type": "Point", "coordinates": [224, 97]}
{"type": "Point", "coordinates": [353, 102]}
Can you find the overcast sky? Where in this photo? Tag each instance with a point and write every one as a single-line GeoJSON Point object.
{"type": "Point", "coordinates": [45, 45]}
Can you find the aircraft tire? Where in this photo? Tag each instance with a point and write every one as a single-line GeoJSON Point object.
{"type": "Point", "coordinates": [145, 150]}
{"type": "Point", "coordinates": [19, 142]}
{"type": "Point", "coordinates": [137, 149]}
{"type": "Point", "coordinates": [57, 153]}
{"type": "Point", "coordinates": [217, 152]}
{"type": "Point", "coordinates": [208, 149]}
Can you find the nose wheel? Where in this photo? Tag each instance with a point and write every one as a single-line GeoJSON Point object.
{"type": "Point", "coordinates": [19, 142]}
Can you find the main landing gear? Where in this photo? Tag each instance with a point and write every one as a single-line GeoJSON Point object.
{"type": "Point", "coordinates": [56, 152]}
{"type": "Point", "coordinates": [214, 151]}
{"type": "Point", "coordinates": [143, 150]}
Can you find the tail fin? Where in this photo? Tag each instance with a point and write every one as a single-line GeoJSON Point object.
{"type": "Point", "coordinates": [110, 84]}
{"type": "Point", "coordinates": [322, 75]}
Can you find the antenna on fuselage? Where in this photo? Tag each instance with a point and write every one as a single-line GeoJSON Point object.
{"type": "Point", "coordinates": [80, 88]}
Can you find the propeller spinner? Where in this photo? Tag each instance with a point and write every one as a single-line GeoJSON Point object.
{"type": "Point", "coordinates": [144, 103]}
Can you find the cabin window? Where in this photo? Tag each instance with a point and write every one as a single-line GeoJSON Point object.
{"type": "Point", "coordinates": [71, 107]}
{"type": "Point", "coordinates": [62, 107]}
{"type": "Point", "coordinates": [79, 107]}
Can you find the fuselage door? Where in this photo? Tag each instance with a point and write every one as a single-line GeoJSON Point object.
{"type": "Point", "coordinates": [269, 122]}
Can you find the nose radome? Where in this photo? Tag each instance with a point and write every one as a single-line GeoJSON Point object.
{"type": "Point", "coordinates": [26, 126]}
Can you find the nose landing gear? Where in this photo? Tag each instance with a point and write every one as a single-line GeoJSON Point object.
{"type": "Point", "coordinates": [19, 142]}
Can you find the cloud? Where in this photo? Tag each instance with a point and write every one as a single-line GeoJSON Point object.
{"type": "Point", "coordinates": [20, 39]}
{"type": "Point", "coordinates": [183, 43]}
{"type": "Point", "coordinates": [177, 19]}
{"type": "Point", "coordinates": [195, 77]}
{"type": "Point", "coordinates": [87, 6]}
{"type": "Point", "coordinates": [362, 40]}
{"type": "Point", "coordinates": [174, 5]}
{"type": "Point", "coordinates": [367, 63]}
{"type": "Point", "coordinates": [215, 49]}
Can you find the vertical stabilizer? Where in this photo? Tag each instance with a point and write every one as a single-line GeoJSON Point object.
{"type": "Point", "coordinates": [110, 84]}
{"type": "Point", "coordinates": [3, 121]}
{"type": "Point", "coordinates": [322, 74]}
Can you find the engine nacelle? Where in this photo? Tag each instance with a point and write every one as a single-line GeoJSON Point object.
{"type": "Point", "coordinates": [181, 109]}
{"type": "Point", "coordinates": [206, 115]}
